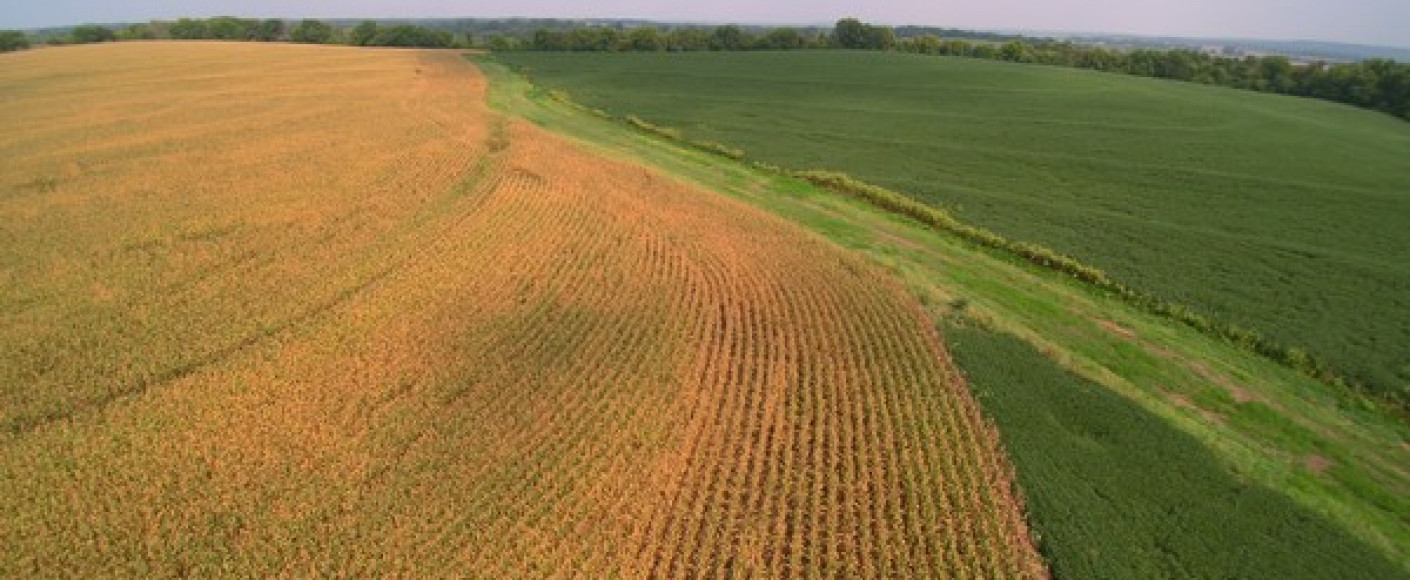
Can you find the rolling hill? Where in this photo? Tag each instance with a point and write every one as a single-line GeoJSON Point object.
{"type": "Point", "coordinates": [1287, 216]}
{"type": "Point", "coordinates": [289, 310]}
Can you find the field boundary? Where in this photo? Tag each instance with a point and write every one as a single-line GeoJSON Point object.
{"type": "Point", "coordinates": [1292, 357]}
{"type": "Point", "coordinates": [1180, 374]}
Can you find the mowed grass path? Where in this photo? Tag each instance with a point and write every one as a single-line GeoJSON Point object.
{"type": "Point", "coordinates": [1288, 216]}
{"type": "Point", "coordinates": [282, 310]}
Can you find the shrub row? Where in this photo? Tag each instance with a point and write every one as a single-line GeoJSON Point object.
{"type": "Point", "coordinates": [1293, 357]}
{"type": "Point", "coordinates": [672, 134]}
{"type": "Point", "coordinates": [11, 40]}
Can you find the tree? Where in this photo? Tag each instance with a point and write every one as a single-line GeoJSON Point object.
{"type": "Point", "coordinates": [408, 36]}
{"type": "Point", "coordinates": [91, 34]}
{"type": "Point", "coordinates": [137, 32]}
{"type": "Point", "coordinates": [502, 43]}
{"type": "Point", "coordinates": [585, 40]}
{"type": "Point", "coordinates": [879, 37]}
{"type": "Point", "coordinates": [188, 29]}
{"type": "Point", "coordinates": [688, 39]}
{"type": "Point", "coordinates": [646, 39]}
{"type": "Point", "coordinates": [1016, 51]}
{"type": "Point", "coordinates": [1276, 72]}
{"type": "Point", "coordinates": [728, 37]}
{"type": "Point", "coordinates": [924, 44]}
{"type": "Point", "coordinates": [230, 28]}
{"type": "Point", "coordinates": [312, 32]}
{"type": "Point", "coordinates": [270, 30]}
{"type": "Point", "coordinates": [363, 33]}
{"type": "Point", "coordinates": [550, 40]}
{"type": "Point", "coordinates": [782, 39]}
{"type": "Point", "coordinates": [11, 40]}
{"type": "Point", "coordinates": [610, 39]}
{"type": "Point", "coordinates": [849, 33]}
{"type": "Point", "coordinates": [982, 50]}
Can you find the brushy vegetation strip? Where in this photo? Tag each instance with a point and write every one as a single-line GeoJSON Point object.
{"type": "Point", "coordinates": [1295, 436]}
{"type": "Point", "coordinates": [1226, 201]}
{"type": "Point", "coordinates": [1293, 357]}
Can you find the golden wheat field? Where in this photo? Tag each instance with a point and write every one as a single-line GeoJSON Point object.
{"type": "Point", "coordinates": [274, 310]}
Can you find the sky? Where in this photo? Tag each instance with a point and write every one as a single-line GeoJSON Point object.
{"type": "Point", "coordinates": [1385, 22]}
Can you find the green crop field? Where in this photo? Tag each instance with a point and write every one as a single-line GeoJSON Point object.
{"type": "Point", "coordinates": [1120, 494]}
{"type": "Point", "coordinates": [1217, 425]}
{"type": "Point", "coordinates": [1288, 216]}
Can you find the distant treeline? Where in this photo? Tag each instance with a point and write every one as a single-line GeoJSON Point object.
{"type": "Point", "coordinates": [13, 40]}
{"type": "Point", "coordinates": [1378, 84]}
{"type": "Point", "coordinates": [366, 33]}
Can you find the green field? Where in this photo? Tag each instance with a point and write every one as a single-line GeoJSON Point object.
{"type": "Point", "coordinates": [1288, 216]}
{"type": "Point", "coordinates": [1120, 494]}
{"type": "Point", "coordinates": [1274, 434]}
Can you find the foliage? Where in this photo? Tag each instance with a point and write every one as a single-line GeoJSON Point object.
{"type": "Point", "coordinates": [782, 39]}
{"type": "Point", "coordinates": [313, 32]}
{"type": "Point", "coordinates": [363, 33]}
{"type": "Point", "coordinates": [405, 35]}
{"type": "Point", "coordinates": [1377, 84]}
{"type": "Point", "coordinates": [1118, 493]}
{"type": "Point", "coordinates": [672, 134]}
{"type": "Point", "coordinates": [269, 30]}
{"type": "Point", "coordinates": [646, 39]}
{"type": "Point", "coordinates": [366, 33]}
{"type": "Point", "coordinates": [1174, 190]}
{"type": "Point", "coordinates": [188, 29]}
{"type": "Point", "coordinates": [227, 28]}
{"type": "Point", "coordinates": [854, 34]}
{"type": "Point", "coordinates": [11, 40]}
{"type": "Point", "coordinates": [1382, 85]}
{"type": "Point", "coordinates": [90, 34]}
{"type": "Point", "coordinates": [1262, 419]}
{"type": "Point", "coordinates": [139, 32]}
{"type": "Point", "coordinates": [729, 37]}
{"type": "Point", "coordinates": [688, 39]}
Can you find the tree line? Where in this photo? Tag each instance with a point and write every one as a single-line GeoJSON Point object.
{"type": "Point", "coordinates": [1378, 84]}
{"type": "Point", "coordinates": [11, 40]}
{"type": "Point", "coordinates": [309, 31]}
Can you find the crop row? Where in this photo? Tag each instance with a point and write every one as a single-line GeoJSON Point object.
{"type": "Point", "coordinates": [1294, 357]}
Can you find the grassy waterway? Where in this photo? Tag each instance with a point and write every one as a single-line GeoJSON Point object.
{"type": "Point", "coordinates": [1283, 215]}
{"type": "Point", "coordinates": [1257, 423]}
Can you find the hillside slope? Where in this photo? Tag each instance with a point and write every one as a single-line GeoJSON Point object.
{"type": "Point", "coordinates": [316, 311]}
{"type": "Point", "coordinates": [1287, 216]}
{"type": "Point", "coordinates": [1103, 399]}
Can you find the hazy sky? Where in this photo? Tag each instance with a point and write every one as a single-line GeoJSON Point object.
{"type": "Point", "coordinates": [1365, 21]}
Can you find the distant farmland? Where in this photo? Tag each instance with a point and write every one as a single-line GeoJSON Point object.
{"type": "Point", "coordinates": [1284, 215]}
{"type": "Point", "coordinates": [283, 310]}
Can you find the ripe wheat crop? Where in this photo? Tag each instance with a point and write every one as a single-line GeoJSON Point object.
{"type": "Point", "coordinates": [284, 310]}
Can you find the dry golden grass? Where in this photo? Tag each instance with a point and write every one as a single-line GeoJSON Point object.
{"type": "Point", "coordinates": [281, 310]}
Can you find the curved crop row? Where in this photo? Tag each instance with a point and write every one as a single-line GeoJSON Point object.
{"type": "Point", "coordinates": [532, 362]}
{"type": "Point", "coordinates": [1294, 357]}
